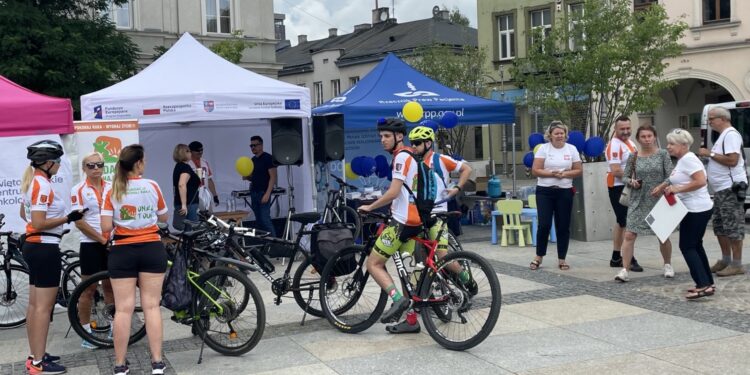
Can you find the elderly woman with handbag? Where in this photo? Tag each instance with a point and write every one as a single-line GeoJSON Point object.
{"type": "Point", "coordinates": [647, 174]}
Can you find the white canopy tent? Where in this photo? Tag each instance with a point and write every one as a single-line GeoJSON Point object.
{"type": "Point", "coordinates": [191, 94]}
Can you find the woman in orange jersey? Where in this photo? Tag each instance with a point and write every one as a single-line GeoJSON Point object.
{"type": "Point", "coordinates": [44, 212]}
{"type": "Point", "coordinates": [132, 208]}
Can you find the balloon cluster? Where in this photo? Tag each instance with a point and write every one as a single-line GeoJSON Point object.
{"type": "Point", "coordinates": [365, 166]}
{"type": "Point", "coordinates": [592, 147]}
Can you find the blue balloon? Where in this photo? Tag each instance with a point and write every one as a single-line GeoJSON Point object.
{"type": "Point", "coordinates": [594, 147]}
{"type": "Point", "coordinates": [356, 165]}
{"type": "Point", "coordinates": [528, 159]}
{"type": "Point", "coordinates": [368, 166]}
{"type": "Point", "coordinates": [535, 139]}
{"type": "Point", "coordinates": [430, 124]}
{"type": "Point", "coordinates": [457, 157]}
{"type": "Point", "coordinates": [449, 120]}
{"type": "Point", "coordinates": [577, 139]}
{"type": "Point", "coordinates": [381, 166]}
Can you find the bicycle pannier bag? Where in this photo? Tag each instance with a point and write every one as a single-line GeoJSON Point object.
{"type": "Point", "coordinates": [327, 240]}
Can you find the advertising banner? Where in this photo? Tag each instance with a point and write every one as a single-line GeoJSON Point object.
{"type": "Point", "coordinates": [106, 137]}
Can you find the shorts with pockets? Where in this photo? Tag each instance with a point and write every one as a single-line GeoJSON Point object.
{"type": "Point", "coordinates": [127, 261]}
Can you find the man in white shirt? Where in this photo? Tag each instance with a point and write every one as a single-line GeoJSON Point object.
{"type": "Point", "coordinates": [726, 167]}
{"type": "Point", "coordinates": [617, 152]}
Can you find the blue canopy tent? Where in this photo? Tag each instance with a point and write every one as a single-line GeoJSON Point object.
{"type": "Point", "coordinates": [383, 93]}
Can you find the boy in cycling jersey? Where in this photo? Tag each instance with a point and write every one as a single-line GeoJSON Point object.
{"type": "Point", "coordinates": [405, 221]}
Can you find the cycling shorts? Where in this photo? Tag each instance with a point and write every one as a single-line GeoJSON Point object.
{"type": "Point", "coordinates": [93, 258]}
{"type": "Point", "coordinates": [45, 264]}
{"type": "Point", "coordinates": [397, 236]}
{"type": "Point", "coordinates": [128, 260]}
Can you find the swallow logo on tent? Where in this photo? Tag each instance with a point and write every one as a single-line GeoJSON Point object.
{"type": "Point", "coordinates": [98, 112]}
{"type": "Point", "coordinates": [413, 92]}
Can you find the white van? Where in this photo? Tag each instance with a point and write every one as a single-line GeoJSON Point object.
{"type": "Point", "coordinates": [740, 120]}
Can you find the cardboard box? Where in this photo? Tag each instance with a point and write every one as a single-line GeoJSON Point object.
{"type": "Point", "coordinates": [481, 183]}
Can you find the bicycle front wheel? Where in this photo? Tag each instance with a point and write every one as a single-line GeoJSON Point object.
{"type": "Point", "coordinates": [305, 286]}
{"type": "Point", "coordinates": [228, 310]}
{"type": "Point", "coordinates": [470, 308]}
{"type": "Point", "coordinates": [351, 300]}
{"type": "Point", "coordinates": [14, 286]}
{"type": "Point", "coordinates": [90, 297]}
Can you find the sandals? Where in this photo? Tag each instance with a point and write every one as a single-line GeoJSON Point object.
{"type": "Point", "coordinates": [563, 266]}
{"type": "Point", "coordinates": [694, 290]}
{"type": "Point", "coordinates": [535, 264]}
{"type": "Point", "coordinates": [700, 293]}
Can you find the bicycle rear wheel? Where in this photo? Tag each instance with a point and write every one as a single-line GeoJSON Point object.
{"type": "Point", "coordinates": [14, 297]}
{"type": "Point", "coordinates": [305, 286]}
{"type": "Point", "coordinates": [346, 214]}
{"type": "Point", "coordinates": [70, 279]}
{"type": "Point", "coordinates": [102, 313]}
{"type": "Point", "coordinates": [228, 310]}
{"type": "Point", "coordinates": [470, 311]}
{"type": "Point", "coordinates": [351, 300]}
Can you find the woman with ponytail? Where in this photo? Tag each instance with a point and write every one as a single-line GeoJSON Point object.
{"type": "Point", "coordinates": [44, 212]}
{"type": "Point", "coordinates": [132, 208]}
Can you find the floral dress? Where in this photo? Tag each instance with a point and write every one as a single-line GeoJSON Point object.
{"type": "Point", "coordinates": [653, 170]}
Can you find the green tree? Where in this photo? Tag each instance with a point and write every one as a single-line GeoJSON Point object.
{"type": "Point", "coordinates": [231, 49]}
{"type": "Point", "coordinates": [605, 61]}
{"type": "Point", "coordinates": [457, 17]}
{"type": "Point", "coordinates": [459, 68]}
{"type": "Point", "coordinates": [63, 48]}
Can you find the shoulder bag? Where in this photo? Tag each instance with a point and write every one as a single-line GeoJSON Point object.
{"type": "Point", "coordinates": [625, 195]}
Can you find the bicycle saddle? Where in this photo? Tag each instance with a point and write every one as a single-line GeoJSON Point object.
{"type": "Point", "coordinates": [447, 215]}
{"type": "Point", "coordinates": [306, 217]}
{"type": "Point", "coordinates": [191, 235]}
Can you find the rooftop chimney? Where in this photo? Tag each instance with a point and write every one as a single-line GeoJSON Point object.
{"type": "Point", "coordinates": [444, 15]}
{"type": "Point", "coordinates": [362, 26]}
{"type": "Point", "coordinates": [301, 39]}
{"type": "Point", "coordinates": [332, 32]}
{"type": "Point", "coordinates": [380, 15]}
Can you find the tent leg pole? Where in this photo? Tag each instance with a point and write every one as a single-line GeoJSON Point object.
{"type": "Point", "coordinates": [492, 153]}
{"type": "Point", "coordinates": [513, 151]}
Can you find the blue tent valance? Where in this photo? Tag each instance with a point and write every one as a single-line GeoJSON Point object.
{"type": "Point", "coordinates": [384, 91]}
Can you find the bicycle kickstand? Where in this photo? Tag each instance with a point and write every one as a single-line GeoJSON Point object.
{"type": "Point", "coordinates": [67, 333]}
{"type": "Point", "coordinates": [304, 314]}
{"type": "Point", "coordinates": [203, 344]}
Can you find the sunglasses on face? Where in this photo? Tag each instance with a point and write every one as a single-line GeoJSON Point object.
{"type": "Point", "coordinates": [254, 145]}
{"type": "Point", "coordinates": [198, 151]}
{"type": "Point", "coordinates": [95, 165]}
{"type": "Point", "coordinates": [416, 143]}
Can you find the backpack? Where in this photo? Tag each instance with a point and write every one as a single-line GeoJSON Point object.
{"type": "Point", "coordinates": [176, 293]}
{"type": "Point", "coordinates": [426, 193]}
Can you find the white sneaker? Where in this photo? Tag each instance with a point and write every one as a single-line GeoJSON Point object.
{"type": "Point", "coordinates": [668, 271]}
{"type": "Point", "coordinates": [622, 276]}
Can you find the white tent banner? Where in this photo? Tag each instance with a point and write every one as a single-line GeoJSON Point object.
{"type": "Point", "coordinates": [11, 171]}
{"type": "Point", "coordinates": [106, 138]}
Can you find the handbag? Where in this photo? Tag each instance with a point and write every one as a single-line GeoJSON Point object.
{"type": "Point", "coordinates": [625, 195]}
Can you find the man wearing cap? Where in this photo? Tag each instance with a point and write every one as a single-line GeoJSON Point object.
{"type": "Point", "coordinates": [202, 169]}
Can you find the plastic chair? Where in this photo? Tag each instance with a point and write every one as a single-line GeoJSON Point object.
{"type": "Point", "coordinates": [532, 200]}
{"type": "Point", "coordinates": [511, 211]}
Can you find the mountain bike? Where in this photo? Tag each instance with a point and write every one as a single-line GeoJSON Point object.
{"type": "Point", "coordinates": [336, 210]}
{"type": "Point", "coordinates": [457, 315]}
{"type": "Point", "coordinates": [226, 310]}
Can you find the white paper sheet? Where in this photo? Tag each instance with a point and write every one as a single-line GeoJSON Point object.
{"type": "Point", "coordinates": [663, 218]}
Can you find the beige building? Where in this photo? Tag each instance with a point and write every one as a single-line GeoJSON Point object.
{"type": "Point", "coordinates": [713, 67]}
{"type": "Point", "coordinates": [152, 23]}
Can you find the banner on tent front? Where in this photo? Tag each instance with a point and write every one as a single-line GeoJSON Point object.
{"type": "Point", "coordinates": [106, 137]}
{"type": "Point", "coordinates": [11, 171]}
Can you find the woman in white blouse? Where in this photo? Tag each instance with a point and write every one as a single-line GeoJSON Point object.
{"type": "Point", "coordinates": [556, 164]}
{"type": "Point", "coordinates": [688, 182]}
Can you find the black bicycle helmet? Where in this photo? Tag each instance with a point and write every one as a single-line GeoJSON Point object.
{"type": "Point", "coordinates": [392, 124]}
{"type": "Point", "coordinates": [44, 150]}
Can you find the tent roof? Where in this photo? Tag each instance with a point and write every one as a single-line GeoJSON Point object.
{"type": "Point", "coordinates": [24, 112]}
{"type": "Point", "coordinates": [384, 91]}
{"type": "Point", "coordinates": [191, 83]}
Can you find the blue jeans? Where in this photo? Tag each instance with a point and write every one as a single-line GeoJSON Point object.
{"type": "Point", "coordinates": [557, 203]}
{"type": "Point", "coordinates": [692, 229]}
{"type": "Point", "coordinates": [262, 212]}
{"type": "Point", "coordinates": [178, 220]}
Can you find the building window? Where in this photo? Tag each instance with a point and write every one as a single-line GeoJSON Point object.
{"type": "Point", "coordinates": [219, 16]}
{"type": "Point", "coordinates": [335, 88]}
{"type": "Point", "coordinates": [541, 22]}
{"type": "Point", "coordinates": [121, 15]}
{"type": "Point", "coordinates": [478, 145]}
{"type": "Point", "coordinates": [716, 11]}
{"type": "Point", "coordinates": [506, 36]}
{"type": "Point", "coordinates": [577, 35]}
{"type": "Point", "coordinates": [318, 91]}
{"type": "Point", "coordinates": [643, 4]}
{"type": "Point", "coordinates": [353, 81]}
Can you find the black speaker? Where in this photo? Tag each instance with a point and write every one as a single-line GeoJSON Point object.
{"type": "Point", "coordinates": [328, 137]}
{"type": "Point", "coordinates": [286, 141]}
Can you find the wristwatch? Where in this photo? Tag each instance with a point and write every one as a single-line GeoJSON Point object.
{"type": "Point", "coordinates": [712, 154]}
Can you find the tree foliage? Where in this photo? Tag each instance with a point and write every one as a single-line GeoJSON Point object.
{"type": "Point", "coordinates": [63, 48]}
{"type": "Point", "coordinates": [458, 68]}
{"type": "Point", "coordinates": [231, 49]}
{"type": "Point", "coordinates": [455, 16]}
{"type": "Point", "coordinates": [608, 60]}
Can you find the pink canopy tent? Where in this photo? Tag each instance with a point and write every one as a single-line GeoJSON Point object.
{"type": "Point", "coordinates": [24, 112]}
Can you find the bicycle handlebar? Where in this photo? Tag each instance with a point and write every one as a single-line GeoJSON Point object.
{"type": "Point", "coordinates": [343, 183]}
{"type": "Point", "coordinates": [248, 232]}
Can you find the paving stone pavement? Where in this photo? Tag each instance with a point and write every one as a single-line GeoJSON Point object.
{"type": "Point", "coordinates": [578, 321]}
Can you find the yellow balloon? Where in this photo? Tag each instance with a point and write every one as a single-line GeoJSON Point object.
{"type": "Point", "coordinates": [537, 147]}
{"type": "Point", "coordinates": [413, 111]}
{"type": "Point", "coordinates": [349, 172]}
{"type": "Point", "coordinates": [244, 166]}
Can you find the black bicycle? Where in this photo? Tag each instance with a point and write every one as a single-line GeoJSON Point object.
{"type": "Point", "coordinates": [336, 210]}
